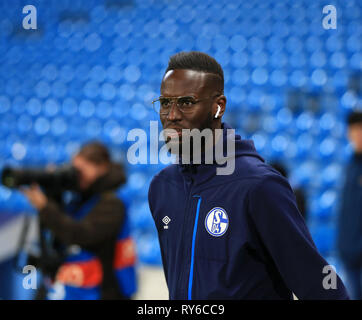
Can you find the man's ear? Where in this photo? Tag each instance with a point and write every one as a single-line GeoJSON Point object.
{"type": "Point", "coordinates": [219, 107]}
{"type": "Point", "coordinates": [218, 111]}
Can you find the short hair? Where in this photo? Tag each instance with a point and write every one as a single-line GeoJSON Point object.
{"type": "Point", "coordinates": [95, 152]}
{"type": "Point", "coordinates": [197, 61]}
{"type": "Point", "coordinates": [354, 117]}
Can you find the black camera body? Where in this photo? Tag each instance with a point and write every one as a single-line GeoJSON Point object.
{"type": "Point", "coordinates": [60, 179]}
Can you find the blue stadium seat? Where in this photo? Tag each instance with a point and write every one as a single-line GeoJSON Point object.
{"type": "Point", "coordinates": [324, 238]}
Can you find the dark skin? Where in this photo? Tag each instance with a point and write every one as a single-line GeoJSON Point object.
{"type": "Point", "coordinates": [200, 85]}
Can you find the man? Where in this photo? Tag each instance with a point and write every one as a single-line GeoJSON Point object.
{"type": "Point", "coordinates": [93, 228]}
{"type": "Point", "coordinates": [237, 236]}
{"type": "Point", "coordinates": [350, 218]}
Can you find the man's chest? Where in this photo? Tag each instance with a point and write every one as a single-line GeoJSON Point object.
{"type": "Point", "coordinates": [206, 220]}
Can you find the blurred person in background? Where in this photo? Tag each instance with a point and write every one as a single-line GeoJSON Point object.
{"type": "Point", "coordinates": [98, 252]}
{"type": "Point", "coordinates": [299, 192]}
{"type": "Point", "coordinates": [349, 241]}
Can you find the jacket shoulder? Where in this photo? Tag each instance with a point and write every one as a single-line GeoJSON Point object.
{"type": "Point", "coordinates": [252, 169]}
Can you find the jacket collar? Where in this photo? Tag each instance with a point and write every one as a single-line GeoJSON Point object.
{"type": "Point", "coordinates": [201, 173]}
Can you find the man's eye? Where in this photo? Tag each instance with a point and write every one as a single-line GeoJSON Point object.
{"type": "Point", "coordinates": [165, 103]}
{"type": "Point", "coordinates": [186, 102]}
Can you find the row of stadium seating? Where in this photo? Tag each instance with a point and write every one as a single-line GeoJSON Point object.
{"type": "Point", "coordinates": [91, 69]}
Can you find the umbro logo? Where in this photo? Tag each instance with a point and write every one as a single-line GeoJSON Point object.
{"type": "Point", "coordinates": [166, 220]}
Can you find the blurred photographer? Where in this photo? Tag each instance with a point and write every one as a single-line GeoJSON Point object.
{"type": "Point", "coordinates": [92, 229]}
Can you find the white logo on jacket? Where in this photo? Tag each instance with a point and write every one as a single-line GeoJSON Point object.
{"type": "Point", "coordinates": [166, 220]}
{"type": "Point", "coordinates": [216, 222]}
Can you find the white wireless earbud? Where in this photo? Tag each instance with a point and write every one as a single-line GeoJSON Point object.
{"type": "Point", "coordinates": [217, 112]}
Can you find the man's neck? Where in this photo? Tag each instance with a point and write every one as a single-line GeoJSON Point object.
{"type": "Point", "coordinates": [208, 146]}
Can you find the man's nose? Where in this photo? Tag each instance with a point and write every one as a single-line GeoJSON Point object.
{"type": "Point", "coordinates": [175, 113]}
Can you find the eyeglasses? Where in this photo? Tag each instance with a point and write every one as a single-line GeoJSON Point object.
{"type": "Point", "coordinates": [185, 104]}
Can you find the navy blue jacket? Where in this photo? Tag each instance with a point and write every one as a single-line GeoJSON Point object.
{"type": "Point", "coordinates": [349, 241]}
{"type": "Point", "coordinates": [236, 236]}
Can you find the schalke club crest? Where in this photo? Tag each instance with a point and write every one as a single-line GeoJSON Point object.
{"type": "Point", "coordinates": [217, 222]}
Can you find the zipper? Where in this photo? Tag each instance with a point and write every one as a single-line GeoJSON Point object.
{"type": "Point", "coordinates": [191, 275]}
{"type": "Point", "coordinates": [187, 210]}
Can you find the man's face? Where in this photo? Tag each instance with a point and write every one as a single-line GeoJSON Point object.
{"type": "Point", "coordinates": [355, 136]}
{"type": "Point", "coordinates": [177, 83]}
{"type": "Point", "coordinates": [88, 171]}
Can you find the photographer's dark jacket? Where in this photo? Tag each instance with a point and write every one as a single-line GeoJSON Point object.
{"type": "Point", "coordinates": [100, 253]}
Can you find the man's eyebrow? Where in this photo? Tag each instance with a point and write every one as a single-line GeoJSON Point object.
{"type": "Point", "coordinates": [193, 97]}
